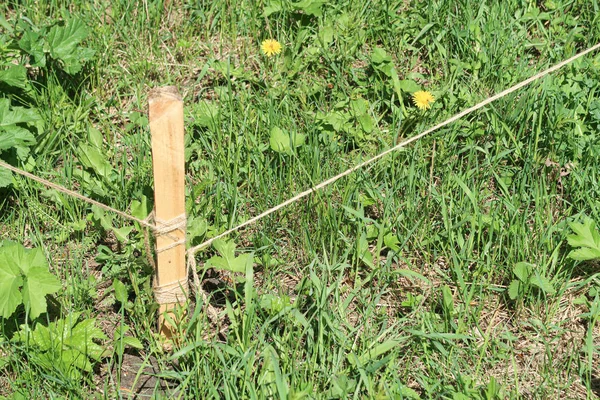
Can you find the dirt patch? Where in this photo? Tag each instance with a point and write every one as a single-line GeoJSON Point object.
{"type": "Point", "coordinates": [138, 379]}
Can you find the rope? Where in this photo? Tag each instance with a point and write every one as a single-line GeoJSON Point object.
{"type": "Point", "coordinates": [144, 222]}
{"type": "Point", "coordinates": [331, 180]}
{"type": "Point", "coordinates": [192, 251]}
{"type": "Point", "coordinates": [174, 292]}
{"type": "Point", "coordinates": [163, 228]}
{"type": "Point", "coordinates": [72, 193]}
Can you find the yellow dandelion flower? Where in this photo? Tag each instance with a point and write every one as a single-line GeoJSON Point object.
{"type": "Point", "coordinates": [271, 47]}
{"type": "Point", "coordinates": [423, 99]}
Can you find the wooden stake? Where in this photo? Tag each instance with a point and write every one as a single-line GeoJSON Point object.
{"type": "Point", "coordinates": [166, 127]}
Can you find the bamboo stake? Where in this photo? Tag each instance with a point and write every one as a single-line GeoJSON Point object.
{"type": "Point", "coordinates": [167, 130]}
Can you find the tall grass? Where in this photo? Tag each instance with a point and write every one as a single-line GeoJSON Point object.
{"type": "Point", "coordinates": [390, 283]}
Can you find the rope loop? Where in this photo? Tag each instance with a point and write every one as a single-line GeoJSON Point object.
{"type": "Point", "coordinates": [174, 292]}
{"type": "Point", "coordinates": [166, 227]}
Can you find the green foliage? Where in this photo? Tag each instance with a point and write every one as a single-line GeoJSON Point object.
{"type": "Point", "coordinates": [24, 279]}
{"type": "Point", "coordinates": [16, 125]}
{"type": "Point", "coordinates": [206, 114]}
{"type": "Point", "coordinates": [14, 75]}
{"type": "Point", "coordinates": [350, 120]}
{"type": "Point", "coordinates": [57, 44]}
{"type": "Point", "coordinates": [469, 390]}
{"type": "Point", "coordinates": [226, 259]}
{"type": "Point", "coordinates": [66, 345]}
{"type": "Point", "coordinates": [123, 341]}
{"type": "Point", "coordinates": [528, 276]}
{"type": "Point", "coordinates": [25, 50]}
{"type": "Point", "coordinates": [275, 304]}
{"type": "Point", "coordinates": [120, 289]}
{"type": "Point", "coordinates": [105, 221]}
{"type": "Point", "coordinates": [369, 288]}
{"type": "Point", "coordinates": [383, 63]}
{"type": "Point", "coordinates": [285, 143]}
{"type": "Point", "coordinates": [586, 239]}
{"type": "Point", "coordinates": [375, 352]}
{"type": "Point", "coordinates": [310, 7]}
{"type": "Point", "coordinates": [12, 135]}
{"type": "Point", "coordinates": [98, 177]}
{"type": "Point", "coordinates": [64, 45]}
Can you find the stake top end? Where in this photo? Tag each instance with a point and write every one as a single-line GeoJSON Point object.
{"type": "Point", "coordinates": [164, 93]}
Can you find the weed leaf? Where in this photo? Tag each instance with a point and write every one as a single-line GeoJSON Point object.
{"type": "Point", "coordinates": [376, 351]}
{"type": "Point", "coordinates": [132, 342]}
{"type": "Point", "coordinates": [409, 86]}
{"type": "Point", "coordinates": [6, 178]}
{"type": "Point", "coordinates": [379, 56]}
{"type": "Point", "coordinates": [34, 46]}
{"type": "Point", "coordinates": [282, 142]}
{"type": "Point", "coordinates": [120, 291]}
{"type": "Point", "coordinates": [227, 259]}
{"type": "Point", "coordinates": [95, 137]}
{"type": "Point", "coordinates": [206, 114]}
{"type": "Point", "coordinates": [522, 270]}
{"type": "Point", "coordinates": [19, 138]}
{"type": "Point", "coordinates": [447, 299]}
{"type": "Point", "coordinates": [16, 115]}
{"type": "Point", "coordinates": [122, 233]}
{"type": "Point", "coordinates": [310, 7]}
{"type": "Point", "coordinates": [272, 7]}
{"type": "Point", "coordinates": [10, 282]}
{"type": "Point", "coordinates": [27, 268]}
{"type": "Point", "coordinates": [63, 41]}
{"type": "Point", "coordinates": [91, 157]}
{"type": "Point", "coordinates": [514, 289]}
{"type": "Point", "coordinates": [12, 133]}
{"type": "Point", "coordinates": [543, 283]}
{"type": "Point", "coordinates": [81, 338]}
{"type": "Point", "coordinates": [587, 238]}
{"type": "Point", "coordinates": [408, 393]}
{"type": "Point", "coordinates": [64, 344]}
{"type": "Point", "coordinates": [14, 76]}
{"type": "Point", "coordinates": [140, 208]}
{"type": "Point", "coordinates": [38, 284]}
{"type": "Point", "coordinates": [326, 34]}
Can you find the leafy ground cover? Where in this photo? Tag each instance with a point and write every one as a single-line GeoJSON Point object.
{"type": "Point", "coordinates": [463, 266]}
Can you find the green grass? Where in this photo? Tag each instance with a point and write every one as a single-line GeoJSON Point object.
{"type": "Point", "coordinates": [390, 283]}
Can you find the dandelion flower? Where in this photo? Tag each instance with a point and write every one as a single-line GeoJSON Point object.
{"type": "Point", "coordinates": [423, 99]}
{"type": "Point", "coordinates": [271, 47]}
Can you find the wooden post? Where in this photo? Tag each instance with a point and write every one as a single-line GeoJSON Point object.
{"type": "Point", "coordinates": [166, 128]}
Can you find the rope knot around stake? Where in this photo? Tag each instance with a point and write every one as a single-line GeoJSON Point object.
{"type": "Point", "coordinates": [178, 291]}
{"type": "Point", "coordinates": [165, 227]}
{"type": "Point", "coordinates": [174, 292]}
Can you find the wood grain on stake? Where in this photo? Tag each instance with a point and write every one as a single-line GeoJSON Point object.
{"type": "Point", "coordinates": [166, 126]}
